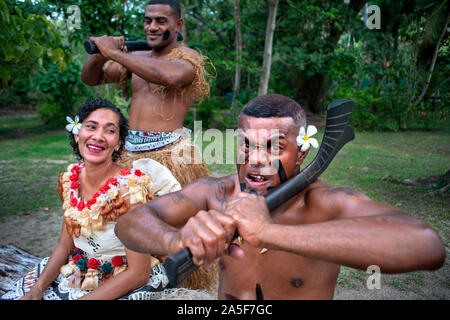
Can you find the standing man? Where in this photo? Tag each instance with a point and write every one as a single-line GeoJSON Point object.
{"type": "Point", "coordinates": [165, 83]}
{"type": "Point", "coordinates": [294, 252]}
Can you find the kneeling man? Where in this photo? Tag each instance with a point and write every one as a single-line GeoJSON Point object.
{"type": "Point", "coordinates": [294, 252]}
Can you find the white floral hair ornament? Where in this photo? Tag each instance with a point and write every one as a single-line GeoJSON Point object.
{"type": "Point", "coordinates": [304, 140]}
{"type": "Point", "coordinates": [73, 126]}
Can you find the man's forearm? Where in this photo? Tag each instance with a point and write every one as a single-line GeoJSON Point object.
{"type": "Point", "coordinates": [158, 71]}
{"type": "Point", "coordinates": [389, 241]}
{"type": "Point", "coordinates": [141, 230]}
{"type": "Point", "coordinates": [92, 71]}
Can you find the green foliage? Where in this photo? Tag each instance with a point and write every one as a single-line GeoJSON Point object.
{"type": "Point", "coordinates": [18, 92]}
{"type": "Point", "coordinates": [61, 93]}
{"type": "Point", "coordinates": [307, 52]}
{"type": "Point", "coordinates": [213, 112]}
{"type": "Point", "coordinates": [364, 115]}
{"type": "Point", "coordinates": [392, 67]}
{"type": "Point", "coordinates": [114, 94]}
{"type": "Point", "coordinates": [320, 48]}
{"type": "Point", "coordinates": [114, 17]}
{"type": "Point", "coordinates": [29, 39]}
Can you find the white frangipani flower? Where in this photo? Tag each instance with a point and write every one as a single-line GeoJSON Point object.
{"type": "Point", "coordinates": [73, 126]}
{"type": "Point", "coordinates": [304, 140]}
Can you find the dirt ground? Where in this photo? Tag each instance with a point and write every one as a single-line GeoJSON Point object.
{"type": "Point", "coordinates": [38, 233]}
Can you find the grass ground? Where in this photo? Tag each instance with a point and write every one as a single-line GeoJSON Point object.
{"type": "Point", "coordinates": [14, 126]}
{"type": "Point", "coordinates": [373, 163]}
{"type": "Point", "coordinates": [29, 169]}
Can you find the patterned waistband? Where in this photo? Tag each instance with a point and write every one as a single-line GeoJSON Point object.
{"type": "Point", "coordinates": [152, 140]}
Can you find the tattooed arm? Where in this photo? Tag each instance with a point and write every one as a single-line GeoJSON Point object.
{"type": "Point", "coordinates": [186, 218]}
{"type": "Point", "coordinates": [351, 230]}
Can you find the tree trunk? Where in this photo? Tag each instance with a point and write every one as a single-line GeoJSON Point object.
{"type": "Point", "coordinates": [312, 92]}
{"type": "Point", "coordinates": [432, 65]}
{"type": "Point", "coordinates": [412, 80]}
{"type": "Point", "coordinates": [268, 43]}
{"type": "Point", "coordinates": [237, 73]}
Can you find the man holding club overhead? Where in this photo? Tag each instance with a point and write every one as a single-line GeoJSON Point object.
{"type": "Point", "coordinates": [295, 251]}
{"type": "Point", "coordinates": [165, 83]}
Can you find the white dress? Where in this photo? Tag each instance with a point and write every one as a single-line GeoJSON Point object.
{"type": "Point", "coordinates": [103, 246]}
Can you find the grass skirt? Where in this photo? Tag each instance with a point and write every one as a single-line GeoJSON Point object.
{"type": "Point", "coordinates": [181, 159]}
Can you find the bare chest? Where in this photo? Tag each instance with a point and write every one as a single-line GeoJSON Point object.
{"type": "Point", "coordinates": [271, 274]}
{"type": "Point", "coordinates": [143, 87]}
{"type": "Point", "coordinates": [274, 274]}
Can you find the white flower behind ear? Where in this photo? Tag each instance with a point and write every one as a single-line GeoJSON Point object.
{"type": "Point", "coordinates": [304, 140]}
{"type": "Point", "coordinates": [73, 126]}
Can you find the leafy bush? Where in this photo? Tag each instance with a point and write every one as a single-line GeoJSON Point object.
{"type": "Point", "coordinates": [383, 107]}
{"type": "Point", "coordinates": [61, 93]}
{"type": "Point", "coordinates": [29, 40]}
{"type": "Point", "coordinates": [214, 112]}
{"type": "Point", "coordinates": [114, 94]}
{"type": "Point", "coordinates": [369, 112]}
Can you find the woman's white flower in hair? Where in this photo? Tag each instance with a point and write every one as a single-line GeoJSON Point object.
{"type": "Point", "coordinates": [304, 140]}
{"type": "Point", "coordinates": [73, 126]}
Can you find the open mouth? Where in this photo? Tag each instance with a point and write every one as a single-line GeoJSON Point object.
{"type": "Point", "coordinates": [94, 148]}
{"type": "Point", "coordinates": [256, 179]}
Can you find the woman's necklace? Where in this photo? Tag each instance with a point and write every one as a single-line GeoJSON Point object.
{"type": "Point", "coordinates": [75, 198]}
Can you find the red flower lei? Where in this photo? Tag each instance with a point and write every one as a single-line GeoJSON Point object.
{"type": "Point", "coordinates": [80, 205]}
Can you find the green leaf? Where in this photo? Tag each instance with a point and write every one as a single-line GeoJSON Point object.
{"type": "Point", "coordinates": [4, 76]}
{"type": "Point", "coordinates": [18, 11]}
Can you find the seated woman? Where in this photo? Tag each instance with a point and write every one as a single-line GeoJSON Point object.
{"type": "Point", "coordinates": [89, 261]}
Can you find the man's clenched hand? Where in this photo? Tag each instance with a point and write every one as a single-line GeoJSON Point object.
{"type": "Point", "coordinates": [251, 215]}
{"type": "Point", "coordinates": [109, 45]}
{"type": "Point", "coordinates": [207, 235]}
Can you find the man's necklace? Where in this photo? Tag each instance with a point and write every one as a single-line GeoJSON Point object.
{"type": "Point", "coordinates": [240, 241]}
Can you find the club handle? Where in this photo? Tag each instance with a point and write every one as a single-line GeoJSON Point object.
{"type": "Point", "coordinates": [179, 266]}
{"type": "Point", "coordinates": [91, 48]}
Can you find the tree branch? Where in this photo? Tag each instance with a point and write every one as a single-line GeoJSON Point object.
{"type": "Point", "coordinates": [237, 74]}
{"type": "Point", "coordinates": [433, 63]}
{"type": "Point", "coordinates": [202, 20]}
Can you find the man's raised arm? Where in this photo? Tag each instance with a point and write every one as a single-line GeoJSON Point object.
{"type": "Point", "coordinates": [172, 74]}
{"type": "Point", "coordinates": [152, 227]}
